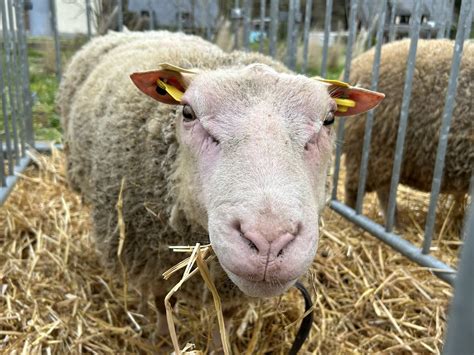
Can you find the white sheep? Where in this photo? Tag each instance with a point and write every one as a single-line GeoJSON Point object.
{"type": "Point", "coordinates": [240, 161]}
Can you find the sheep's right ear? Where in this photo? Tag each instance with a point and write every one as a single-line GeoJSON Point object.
{"type": "Point", "coordinates": [351, 100]}
{"type": "Point", "coordinates": [166, 84]}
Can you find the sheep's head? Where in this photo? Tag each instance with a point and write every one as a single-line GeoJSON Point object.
{"type": "Point", "coordinates": [255, 148]}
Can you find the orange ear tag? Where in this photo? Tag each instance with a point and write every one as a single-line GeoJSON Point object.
{"type": "Point", "coordinates": [170, 90]}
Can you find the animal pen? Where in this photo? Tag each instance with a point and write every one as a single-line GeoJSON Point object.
{"type": "Point", "coordinates": [18, 142]}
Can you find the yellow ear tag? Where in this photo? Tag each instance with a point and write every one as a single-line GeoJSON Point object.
{"type": "Point", "coordinates": [332, 82]}
{"type": "Point", "coordinates": [342, 104]}
{"type": "Point", "coordinates": [177, 69]}
{"type": "Point", "coordinates": [171, 90]}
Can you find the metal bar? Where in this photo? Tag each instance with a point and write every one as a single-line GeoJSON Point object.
{"type": "Point", "coordinates": [446, 123]}
{"type": "Point", "coordinates": [42, 146]}
{"type": "Point", "coordinates": [397, 163]}
{"type": "Point", "coordinates": [22, 68]}
{"type": "Point", "coordinates": [347, 72]}
{"type": "Point", "coordinates": [19, 103]}
{"type": "Point", "coordinates": [29, 131]}
{"type": "Point", "coordinates": [469, 210]}
{"type": "Point", "coordinates": [180, 16]}
{"type": "Point", "coordinates": [307, 25]}
{"type": "Point", "coordinates": [442, 29]}
{"type": "Point", "coordinates": [151, 18]}
{"type": "Point", "coordinates": [6, 123]}
{"type": "Point", "coordinates": [88, 19]}
{"type": "Point", "coordinates": [289, 33]}
{"type": "Point", "coordinates": [7, 43]}
{"type": "Point", "coordinates": [120, 15]}
{"type": "Point", "coordinates": [292, 34]}
{"type": "Point", "coordinates": [327, 31]}
{"type": "Point", "coordinates": [370, 116]}
{"type": "Point", "coordinates": [450, 11]}
{"type": "Point", "coordinates": [392, 32]}
{"type": "Point", "coordinates": [3, 181]}
{"type": "Point", "coordinates": [247, 20]}
{"type": "Point", "coordinates": [207, 11]}
{"type": "Point", "coordinates": [57, 44]}
{"type": "Point", "coordinates": [467, 32]}
{"type": "Point", "coordinates": [262, 25]}
{"type": "Point", "coordinates": [440, 269]}
{"type": "Point", "coordinates": [371, 24]}
{"type": "Point", "coordinates": [11, 180]}
{"type": "Point", "coordinates": [274, 16]}
{"type": "Point", "coordinates": [236, 16]}
{"type": "Point", "coordinates": [460, 333]}
{"type": "Point", "coordinates": [45, 147]}
{"type": "Point", "coordinates": [201, 21]}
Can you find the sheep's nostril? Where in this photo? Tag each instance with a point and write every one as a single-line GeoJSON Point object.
{"type": "Point", "coordinates": [280, 244]}
{"type": "Point", "coordinates": [250, 243]}
{"type": "Point", "coordinates": [299, 228]}
{"type": "Point", "coordinates": [253, 246]}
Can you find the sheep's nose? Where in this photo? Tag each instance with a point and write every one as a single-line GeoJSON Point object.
{"type": "Point", "coordinates": [269, 243]}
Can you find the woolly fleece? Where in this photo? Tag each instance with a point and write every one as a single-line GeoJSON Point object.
{"type": "Point", "coordinates": [433, 64]}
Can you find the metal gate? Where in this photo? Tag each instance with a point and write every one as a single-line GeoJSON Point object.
{"type": "Point", "coordinates": [17, 124]}
{"type": "Point", "coordinates": [18, 128]}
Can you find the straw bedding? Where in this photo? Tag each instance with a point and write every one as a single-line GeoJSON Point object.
{"type": "Point", "coordinates": [55, 297]}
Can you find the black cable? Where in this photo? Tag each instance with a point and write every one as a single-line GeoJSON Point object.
{"type": "Point", "coordinates": [306, 323]}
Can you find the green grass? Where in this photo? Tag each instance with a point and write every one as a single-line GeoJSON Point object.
{"type": "Point", "coordinates": [44, 85]}
{"type": "Point", "coordinates": [331, 73]}
{"type": "Point", "coordinates": [45, 118]}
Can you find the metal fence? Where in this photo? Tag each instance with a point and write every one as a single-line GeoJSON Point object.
{"type": "Point", "coordinates": [17, 124]}
{"type": "Point", "coordinates": [16, 99]}
{"type": "Point", "coordinates": [385, 233]}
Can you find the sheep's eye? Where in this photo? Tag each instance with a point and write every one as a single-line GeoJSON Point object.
{"type": "Point", "coordinates": [329, 119]}
{"type": "Point", "coordinates": [188, 114]}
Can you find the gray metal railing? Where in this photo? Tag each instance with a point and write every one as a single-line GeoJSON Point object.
{"type": "Point", "coordinates": [460, 335]}
{"type": "Point", "coordinates": [403, 123]}
{"type": "Point", "coordinates": [16, 125]}
{"type": "Point", "coordinates": [370, 116]}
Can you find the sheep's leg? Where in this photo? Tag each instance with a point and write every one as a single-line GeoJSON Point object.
{"type": "Point", "coordinates": [459, 211]}
{"type": "Point", "coordinates": [161, 325]}
{"type": "Point", "coordinates": [350, 196]}
{"type": "Point", "coordinates": [383, 195]}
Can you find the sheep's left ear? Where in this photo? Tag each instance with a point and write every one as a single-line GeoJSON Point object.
{"type": "Point", "coordinates": [351, 100]}
{"type": "Point", "coordinates": [166, 84]}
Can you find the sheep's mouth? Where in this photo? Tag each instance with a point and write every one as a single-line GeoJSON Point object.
{"type": "Point", "coordinates": [263, 288]}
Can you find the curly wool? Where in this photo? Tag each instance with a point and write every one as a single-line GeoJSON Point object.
{"type": "Point", "coordinates": [113, 132]}
{"type": "Point", "coordinates": [433, 64]}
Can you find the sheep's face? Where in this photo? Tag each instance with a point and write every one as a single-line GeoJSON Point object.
{"type": "Point", "coordinates": [256, 146]}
